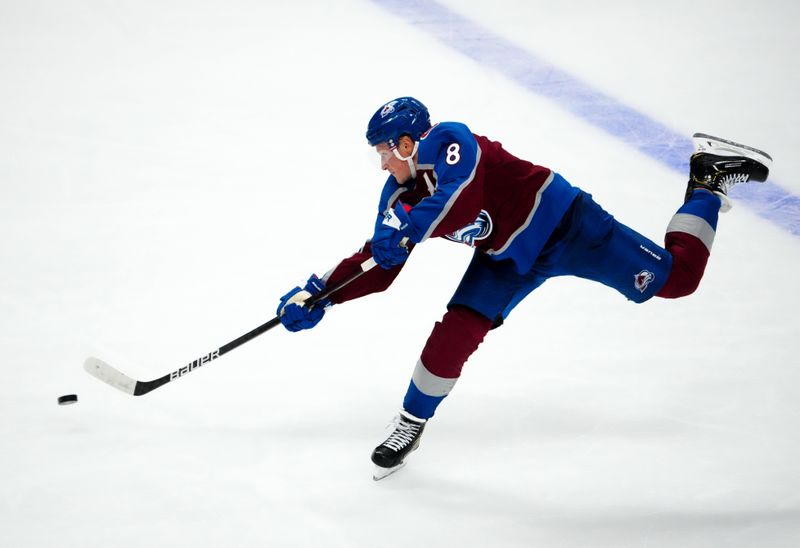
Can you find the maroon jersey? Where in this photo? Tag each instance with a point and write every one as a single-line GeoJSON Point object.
{"type": "Point", "coordinates": [470, 190]}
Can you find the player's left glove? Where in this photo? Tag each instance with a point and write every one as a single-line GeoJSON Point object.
{"type": "Point", "coordinates": [294, 315]}
{"type": "Point", "coordinates": [391, 234]}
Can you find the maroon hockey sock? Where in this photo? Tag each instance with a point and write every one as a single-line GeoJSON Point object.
{"type": "Point", "coordinates": [689, 259]}
{"type": "Point", "coordinates": [451, 342]}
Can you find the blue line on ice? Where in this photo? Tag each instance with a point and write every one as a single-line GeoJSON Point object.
{"type": "Point", "coordinates": [650, 137]}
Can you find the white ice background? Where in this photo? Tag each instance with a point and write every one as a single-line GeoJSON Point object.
{"type": "Point", "coordinates": [169, 169]}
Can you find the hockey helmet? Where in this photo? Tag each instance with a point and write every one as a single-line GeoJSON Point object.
{"type": "Point", "coordinates": [402, 116]}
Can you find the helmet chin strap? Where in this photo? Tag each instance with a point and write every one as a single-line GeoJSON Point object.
{"type": "Point", "coordinates": [408, 159]}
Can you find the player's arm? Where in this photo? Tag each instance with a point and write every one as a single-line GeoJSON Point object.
{"type": "Point", "coordinates": [295, 317]}
{"type": "Point", "coordinates": [374, 280]}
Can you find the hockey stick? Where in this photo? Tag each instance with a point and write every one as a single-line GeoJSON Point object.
{"type": "Point", "coordinates": [110, 375]}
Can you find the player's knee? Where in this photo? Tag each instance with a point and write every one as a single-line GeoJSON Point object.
{"type": "Point", "coordinates": [689, 259]}
{"type": "Point", "coordinates": [680, 283]}
{"type": "Point", "coordinates": [453, 340]}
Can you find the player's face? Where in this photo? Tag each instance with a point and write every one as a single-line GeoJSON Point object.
{"type": "Point", "coordinates": [391, 163]}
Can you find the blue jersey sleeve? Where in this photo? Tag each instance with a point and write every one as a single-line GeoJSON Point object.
{"type": "Point", "coordinates": [391, 191]}
{"type": "Point", "coordinates": [452, 151]}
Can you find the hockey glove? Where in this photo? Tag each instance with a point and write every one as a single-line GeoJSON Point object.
{"type": "Point", "coordinates": [388, 248]}
{"type": "Point", "coordinates": [294, 315]}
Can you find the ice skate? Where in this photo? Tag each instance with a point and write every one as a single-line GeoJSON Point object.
{"type": "Point", "coordinates": [390, 456]}
{"type": "Point", "coordinates": [718, 164]}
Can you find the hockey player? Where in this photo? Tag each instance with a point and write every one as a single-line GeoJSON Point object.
{"type": "Point", "coordinates": [526, 224]}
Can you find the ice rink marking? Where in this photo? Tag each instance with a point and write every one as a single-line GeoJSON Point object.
{"type": "Point", "coordinates": [770, 201]}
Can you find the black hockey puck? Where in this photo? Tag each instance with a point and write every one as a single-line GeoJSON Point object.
{"type": "Point", "coordinates": [67, 399]}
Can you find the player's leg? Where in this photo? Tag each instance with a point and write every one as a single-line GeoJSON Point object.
{"type": "Point", "coordinates": [715, 167]}
{"type": "Point", "coordinates": [604, 250]}
{"type": "Point", "coordinates": [689, 238]}
{"type": "Point", "coordinates": [600, 248]}
{"type": "Point", "coordinates": [489, 289]}
{"type": "Point", "coordinates": [449, 345]}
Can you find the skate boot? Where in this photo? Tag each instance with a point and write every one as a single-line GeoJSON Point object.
{"type": "Point", "coordinates": [718, 164]}
{"type": "Point", "coordinates": [389, 456]}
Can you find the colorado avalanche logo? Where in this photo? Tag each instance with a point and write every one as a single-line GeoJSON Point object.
{"type": "Point", "coordinates": [387, 108]}
{"type": "Point", "coordinates": [643, 279]}
{"type": "Point", "coordinates": [478, 230]}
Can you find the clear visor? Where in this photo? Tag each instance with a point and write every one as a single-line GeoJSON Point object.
{"type": "Point", "coordinates": [385, 154]}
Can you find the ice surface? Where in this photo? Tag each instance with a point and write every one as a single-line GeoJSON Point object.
{"type": "Point", "coordinates": [169, 169]}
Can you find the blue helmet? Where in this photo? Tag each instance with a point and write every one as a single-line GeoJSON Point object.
{"type": "Point", "coordinates": [402, 116]}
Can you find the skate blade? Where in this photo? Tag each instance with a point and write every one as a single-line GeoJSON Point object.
{"type": "Point", "coordinates": [723, 147]}
{"type": "Point", "coordinates": [380, 472]}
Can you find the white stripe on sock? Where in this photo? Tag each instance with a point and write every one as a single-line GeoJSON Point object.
{"type": "Point", "coordinates": [693, 225]}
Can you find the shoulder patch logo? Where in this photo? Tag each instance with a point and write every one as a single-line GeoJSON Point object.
{"type": "Point", "coordinates": [477, 230]}
{"type": "Point", "coordinates": [643, 279]}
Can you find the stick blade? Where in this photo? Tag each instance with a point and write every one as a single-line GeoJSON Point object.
{"type": "Point", "coordinates": [109, 375]}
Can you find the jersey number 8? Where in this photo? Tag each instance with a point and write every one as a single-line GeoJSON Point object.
{"type": "Point", "coordinates": [453, 155]}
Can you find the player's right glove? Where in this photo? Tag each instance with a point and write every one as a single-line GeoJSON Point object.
{"type": "Point", "coordinates": [389, 241]}
{"type": "Point", "coordinates": [296, 317]}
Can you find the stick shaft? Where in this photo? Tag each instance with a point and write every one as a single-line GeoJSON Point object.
{"type": "Point", "coordinates": [112, 376]}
